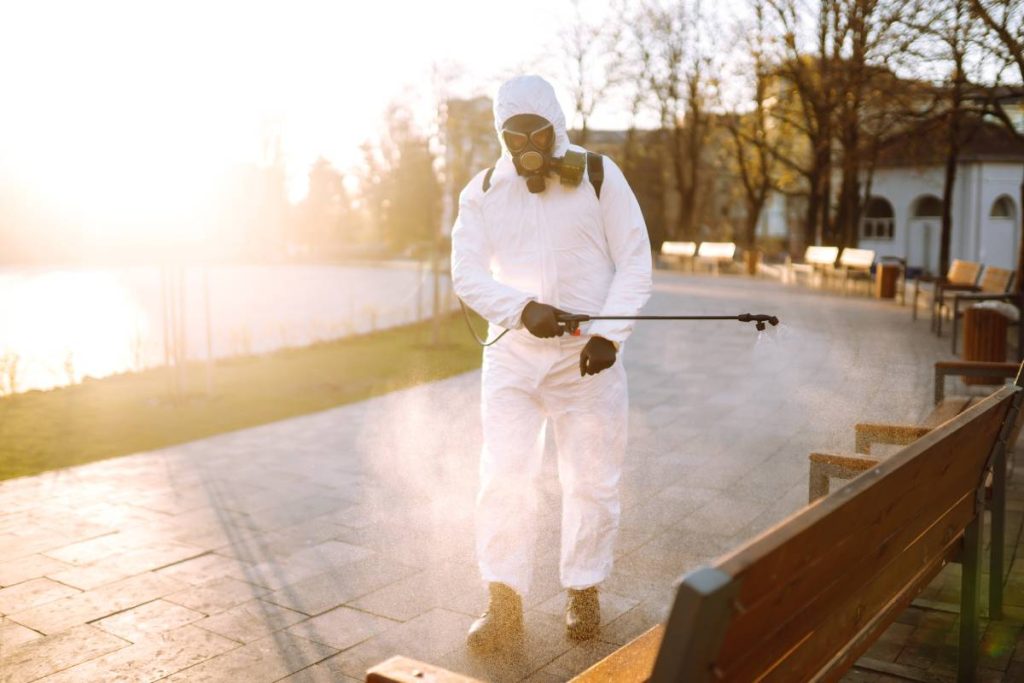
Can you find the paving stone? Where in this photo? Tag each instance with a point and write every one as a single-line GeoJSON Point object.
{"type": "Point", "coordinates": [199, 570]}
{"type": "Point", "coordinates": [545, 641]}
{"type": "Point", "coordinates": [326, 671]}
{"type": "Point", "coordinates": [251, 620]}
{"type": "Point", "coordinates": [319, 593]}
{"type": "Point", "coordinates": [29, 567]}
{"type": "Point", "coordinates": [265, 660]}
{"type": "Point", "coordinates": [34, 592]}
{"type": "Point", "coordinates": [152, 658]}
{"type": "Point", "coordinates": [634, 622]}
{"type": "Point", "coordinates": [15, 546]}
{"type": "Point", "coordinates": [43, 656]}
{"type": "Point", "coordinates": [91, 605]}
{"type": "Point", "coordinates": [427, 637]}
{"type": "Point", "coordinates": [455, 587]}
{"type": "Point", "coordinates": [612, 605]}
{"type": "Point", "coordinates": [94, 549]}
{"type": "Point", "coordinates": [216, 595]}
{"type": "Point", "coordinates": [153, 617]}
{"type": "Point", "coordinates": [115, 567]}
{"type": "Point", "coordinates": [342, 627]}
{"type": "Point", "coordinates": [579, 658]}
{"type": "Point", "coordinates": [326, 557]}
{"type": "Point", "coordinates": [13, 635]}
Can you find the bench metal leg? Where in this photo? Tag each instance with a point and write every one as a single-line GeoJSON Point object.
{"type": "Point", "coordinates": [998, 505]}
{"type": "Point", "coordinates": [970, 598]}
{"type": "Point", "coordinates": [913, 308]}
{"type": "Point", "coordinates": [956, 310]}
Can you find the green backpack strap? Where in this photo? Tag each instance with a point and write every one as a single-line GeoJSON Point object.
{"type": "Point", "coordinates": [595, 171]}
{"type": "Point", "coordinates": [487, 178]}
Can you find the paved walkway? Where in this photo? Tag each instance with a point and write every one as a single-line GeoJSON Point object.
{"type": "Point", "coordinates": [310, 549]}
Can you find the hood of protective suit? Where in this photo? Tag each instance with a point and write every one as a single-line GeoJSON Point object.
{"type": "Point", "coordinates": [530, 95]}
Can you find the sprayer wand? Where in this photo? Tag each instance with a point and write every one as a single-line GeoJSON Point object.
{"type": "Point", "coordinates": [571, 321]}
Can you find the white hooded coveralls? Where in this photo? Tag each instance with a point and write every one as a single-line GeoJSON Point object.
{"type": "Point", "coordinates": [567, 248]}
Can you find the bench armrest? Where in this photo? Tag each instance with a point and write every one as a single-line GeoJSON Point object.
{"type": "Point", "coordinates": [969, 368]}
{"type": "Point", "coordinates": [406, 670]}
{"type": "Point", "coordinates": [825, 464]}
{"type": "Point", "coordinates": [867, 433]}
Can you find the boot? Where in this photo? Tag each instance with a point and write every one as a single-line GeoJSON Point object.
{"type": "Point", "coordinates": [501, 626]}
{"type": "Point", "coordinates": [582, 613]}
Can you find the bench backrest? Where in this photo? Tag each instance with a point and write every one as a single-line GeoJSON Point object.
{"type": "Point", "coordinates": [963, 272]}
{"type": "Point", "coordinates": [807, 598]}
{"type": "Point", "coordinates": [857, 258]}
{"type": "Point", "coordinates": [821, 256]}
{"type": "Point", "coordinates": [679, 248]}
{"type": "Point", "coordinates": [719, 250]}
{"type": "Point", "coordinates": [996, 280]}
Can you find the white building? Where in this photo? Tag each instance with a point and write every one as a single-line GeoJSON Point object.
{"type": "Point", "coordinates": [903, 216]}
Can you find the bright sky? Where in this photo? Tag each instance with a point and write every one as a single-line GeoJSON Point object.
{"type": "Point", "coordinates": [137, 104]}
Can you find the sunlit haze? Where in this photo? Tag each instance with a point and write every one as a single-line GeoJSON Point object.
{"type": "Point", "coordinates": [126, 116]}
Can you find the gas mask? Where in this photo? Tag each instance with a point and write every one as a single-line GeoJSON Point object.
{"type": "Point", "coordinates": [530, 139]}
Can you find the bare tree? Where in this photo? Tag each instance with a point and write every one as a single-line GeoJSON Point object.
{"type": "Point", "coordinates": [592, 66]}
{"type": "Point", "coordinates": [751, 133]}
{"type": "Point", "coordinates": [1003, 21]}
{"type": "Point", "coordinates": [681, 81]}
{"type": "Point", "coordinates": [806, 95]}
{"type": "Point", "coordinates": [948, 36]}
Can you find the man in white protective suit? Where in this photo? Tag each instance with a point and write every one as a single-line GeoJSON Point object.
{"type": "Point", "coordinates": [536, 237]}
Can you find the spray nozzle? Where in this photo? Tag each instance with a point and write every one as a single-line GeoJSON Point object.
{"type": "Point", "coordinates": [759, 320]}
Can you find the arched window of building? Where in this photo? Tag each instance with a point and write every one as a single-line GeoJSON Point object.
{"type": "Point", "coordinates": [1002, 208]}
{"type": "Point", "coordinates": [928, 206]}
{"type": "Point", "coordinates": [877, 223]}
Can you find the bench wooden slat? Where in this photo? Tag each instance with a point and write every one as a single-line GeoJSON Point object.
{"type": "Point", "coordinates": [631, 663]}
{"type": "Point", "coordinates": [879, 585]}
{"type": "Point", "coordinates": [865, 544]}
{"type": "Point", "coordinates": [947, 410]}
{"type": "Point", "coordinates": [772, 553]}
{"type": "Point", "coordinates": [784, 568]}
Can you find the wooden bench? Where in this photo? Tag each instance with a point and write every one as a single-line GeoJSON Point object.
{"type": "Point", "coordinates": [827, 465]}
{"type": "Point", "coordinates": [817, 260]}
{"type": "Point", "coordinates": [679, 252]}
{"type": "Point", "coordinates": [715, 254]}
{"type": "Point", "coordinates": [996, 285]}
{"type": "Point", "coordinates": [805, 599]}
{"type": "Point", "coordinates": [961, 274]}
{"type": "Point", "coordinates": [853, 265]}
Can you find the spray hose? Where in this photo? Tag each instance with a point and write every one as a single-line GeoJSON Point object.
{"type": "Point", "coordinates": [570, 322]}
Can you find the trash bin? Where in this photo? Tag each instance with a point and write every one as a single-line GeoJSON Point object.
{"type": "Point", "coordinates": [984, 339]}
{"type": "Point", "coordinates": [886, 275]}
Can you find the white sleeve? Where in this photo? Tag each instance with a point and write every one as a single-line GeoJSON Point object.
{"type": "Point", "coordinates": [471, 273]}
{"type": "Point", "coordinates": [630, 248]}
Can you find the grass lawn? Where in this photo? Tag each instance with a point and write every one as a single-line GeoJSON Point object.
{"type": "Point", "coordinates": [45, 430]}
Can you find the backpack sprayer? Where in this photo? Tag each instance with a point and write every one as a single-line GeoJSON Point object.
{"type": "Point", "coordinates": [570, 322]}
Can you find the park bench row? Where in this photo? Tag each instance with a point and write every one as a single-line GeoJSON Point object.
{"type": "Point", "coordinates": [807, 598]}
{"type": "Point", "coordinates": [966, 282]}
{"type": "Point", "coordinates": [712, 254]}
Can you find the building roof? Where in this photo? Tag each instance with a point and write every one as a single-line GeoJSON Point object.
{"type": "Point", "coordinates": [983, 140]}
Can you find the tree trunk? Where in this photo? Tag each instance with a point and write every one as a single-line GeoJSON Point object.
{"type": "Point", "coordinates": [949, 182]}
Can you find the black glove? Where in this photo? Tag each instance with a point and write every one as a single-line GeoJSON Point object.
{"type": "Point", "coordinates": [597, 355]}
{"type": "Point", "coordinates": [542, 320]}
